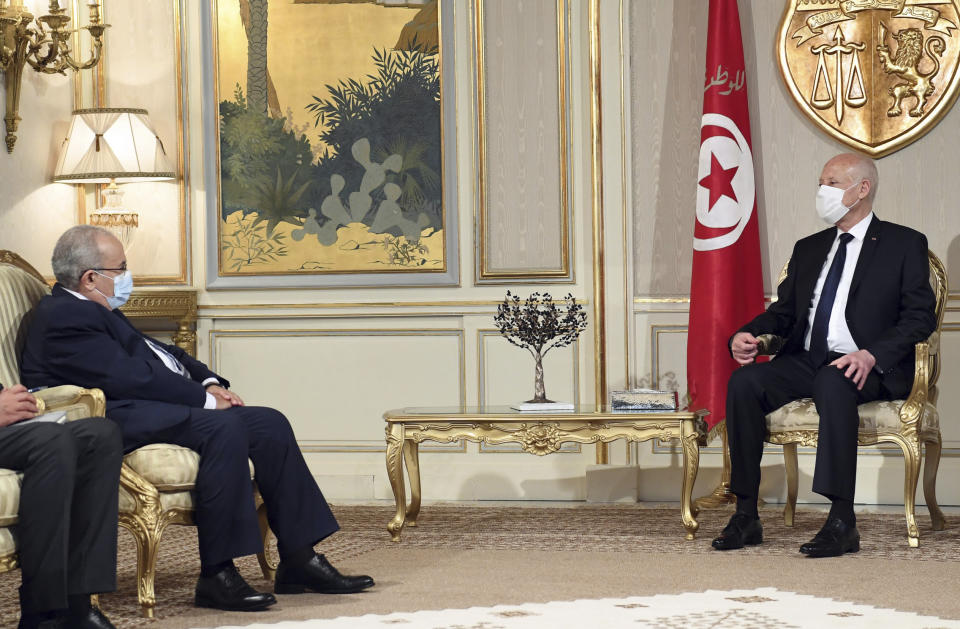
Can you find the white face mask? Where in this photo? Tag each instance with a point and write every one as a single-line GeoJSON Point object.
{"type": "Point", "coordinates": [830, 205]}
{"type": "Point", "coordinates": [122, 287]}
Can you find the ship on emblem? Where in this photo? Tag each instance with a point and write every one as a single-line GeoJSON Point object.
{"type": "Point", "coordinates": [875, 105]}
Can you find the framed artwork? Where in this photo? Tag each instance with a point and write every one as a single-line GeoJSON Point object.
{"type": "Point", "coordinates": [334, 159]}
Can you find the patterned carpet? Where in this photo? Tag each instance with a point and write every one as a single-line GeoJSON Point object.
{"type": "Point", "coordinates": [761, 608]}
{"type": "Point", "coordinates": [604, 528]}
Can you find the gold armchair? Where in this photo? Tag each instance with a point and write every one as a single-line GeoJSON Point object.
{"type": "Point", "coordinates": [156, 490]}
{"type": "Point", "coordinates": [156, 481]}
{"type": "Point", "coordinates": [21, 287]}
{"type": "Point", "coordinates": [911, 423]}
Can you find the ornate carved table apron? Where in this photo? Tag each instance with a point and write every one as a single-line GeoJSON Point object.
{"type": "Point", "coordinates": [537, 433]}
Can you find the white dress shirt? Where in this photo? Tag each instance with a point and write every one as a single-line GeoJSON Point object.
{"type": "Point", "coordinates": [839, 338]}
{"type": "Point", "coordinates": [171, 362]}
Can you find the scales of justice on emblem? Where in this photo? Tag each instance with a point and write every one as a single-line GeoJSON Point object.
{"type": "Point", "coordinates": [873, 74]}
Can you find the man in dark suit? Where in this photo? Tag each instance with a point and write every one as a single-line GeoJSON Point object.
{"type": "Point", "coordinates": [67, 521]}
{"type": "Point", "coordinates": [159, 394]}
{"type": "Point", "coordinates": [855, 301]}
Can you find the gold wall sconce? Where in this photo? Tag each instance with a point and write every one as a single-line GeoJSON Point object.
{"type": "Point", "coordinates": [44, 44]}
{"type": "Point", "coordinates": [113, 145]}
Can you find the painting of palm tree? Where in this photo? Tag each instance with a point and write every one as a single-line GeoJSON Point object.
{"type": "Point", "coordinates": [330, 147]}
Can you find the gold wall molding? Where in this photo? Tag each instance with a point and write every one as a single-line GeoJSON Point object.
{"type": "Point", "coordinates": [345, 315]}
{"type": "Point", "coordinates": [596, 177]}
{"type": "Point", "coordinates": [364, 304]}
{"type": "Point", "coordinates": [482, 335]}
{"type": "Point", "coordinates": [372, 445]}
{"type": "Point", "coordinates": [96, 96]}
{"type": "Point", "coordinates": [485, 271]}
{"type": "Point", "coordinates": [626, 225]}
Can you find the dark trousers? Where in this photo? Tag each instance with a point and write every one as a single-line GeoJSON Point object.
{"type": "Point", "coordinates": [67, 530]}
{"type": "Point", "coordinates": [226, 520]}
{"type": "Point", "coordinates": [757, 389]}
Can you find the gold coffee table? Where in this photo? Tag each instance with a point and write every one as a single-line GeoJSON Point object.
{"type": "Point", "coordinates": [538, 433]}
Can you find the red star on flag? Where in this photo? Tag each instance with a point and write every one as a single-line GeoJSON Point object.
{"type": "Point", "coordinates": [719, 181]}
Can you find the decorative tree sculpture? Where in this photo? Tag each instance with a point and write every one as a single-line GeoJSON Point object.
{"type": "Point", "coordinates": [539, 325]}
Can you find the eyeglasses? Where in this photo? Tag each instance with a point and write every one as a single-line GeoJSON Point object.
{"type": "Point", "coordinates": [121, 269]}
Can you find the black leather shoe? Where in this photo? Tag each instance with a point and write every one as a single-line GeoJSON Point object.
{"type": "Point", "coordinates": [54, 620]}
{"type": "Point", "coordinates": [742, 530]}
{"type": "Point", "coordinates": [92, 618]}
{"type": "Point", "coordinates": [317, 575]}
{"type": "Point", "coordinates": [228, 591]}
{"type": "Point", "coordinates": [834, 539]}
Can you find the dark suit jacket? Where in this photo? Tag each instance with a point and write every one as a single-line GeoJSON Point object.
{"type": "Point", "coordinates": [890, 308]}
{"type": "Point", "coordinates": [73, 341]}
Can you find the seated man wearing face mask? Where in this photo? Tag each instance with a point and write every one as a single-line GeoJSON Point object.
{"type": "Point", "coordinates": [855, 301]}
{"type": "Point", "coordinates": [159, 394]}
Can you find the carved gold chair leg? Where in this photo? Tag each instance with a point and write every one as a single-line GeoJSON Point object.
{"type": "Point", "coordinates": [793, 482]}
{"type": "Point", "coordinates": [268, 567]}
{"type": "Point", "coordinates": [148, 543]}
{"type": "Point", "coordinates": [930, 466]}
{"type": "Point", "coordinates": [911, 463]}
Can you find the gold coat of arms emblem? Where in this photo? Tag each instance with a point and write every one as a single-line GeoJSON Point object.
{"type": "Point", "coordinates": [874, 74]}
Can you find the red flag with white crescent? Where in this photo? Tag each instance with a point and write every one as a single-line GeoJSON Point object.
{"type": "Point", "coordinates": [727, 283]}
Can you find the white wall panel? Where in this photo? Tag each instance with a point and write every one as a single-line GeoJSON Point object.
{"type": "Point", "coordinates": [507, 372]}
{"type": "Point", "coordinates": [334, 385]}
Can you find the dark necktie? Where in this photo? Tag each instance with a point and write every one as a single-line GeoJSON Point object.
{"type": "Point", "coordinates": [828, 294]}
{"type": "Point", "coordinates": [181, 369]}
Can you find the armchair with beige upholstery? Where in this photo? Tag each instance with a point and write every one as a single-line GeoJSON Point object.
{"type": "Point", "coordinates": [20, 288]}
{"type": "Point", "coordinates": [156, 490]}
{"type": "Point", "coordinates": [912, 424]}
{"type": "Point", "coordinates": [156, 481]}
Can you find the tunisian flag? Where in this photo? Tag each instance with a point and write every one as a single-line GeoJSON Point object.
{"type": "Point", "coordinates": [727, 284]}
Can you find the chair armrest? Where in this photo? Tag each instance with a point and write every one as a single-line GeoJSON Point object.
{"type": "Point", "coordinates": [912, 409]}
{"type": "Point", "coordinates": [769, 344]}
{"type": "Point", "coordinates": [934, 342]}
{"type": "Point", "coordinates": [78, 402]}
{"type": "Point", "coordinates": [142, 490]}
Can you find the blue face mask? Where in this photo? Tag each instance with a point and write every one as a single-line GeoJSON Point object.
{"type": "Point", "coordinates": [122, 287]}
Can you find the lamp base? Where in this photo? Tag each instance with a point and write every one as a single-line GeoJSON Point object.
{"type": "Point", "coordinates": [121, 223]}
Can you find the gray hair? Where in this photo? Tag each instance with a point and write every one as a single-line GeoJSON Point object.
{"type": "Point", "coordinates": [77, 251]}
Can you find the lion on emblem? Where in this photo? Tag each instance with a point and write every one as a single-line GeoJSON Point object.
{"type": "Point", "coordinates": [905, 65]}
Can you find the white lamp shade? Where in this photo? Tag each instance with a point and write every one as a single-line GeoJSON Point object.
{"type": "Point", "coordinates": [116, 144]}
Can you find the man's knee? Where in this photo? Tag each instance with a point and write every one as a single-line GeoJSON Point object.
{"type": "Point", "coordinates": [272, 420]}
{"type": "Point", "coordinates": [746, 379]}
{"type": "Point", "coordinates": [831, 383]}
{"type": "Point", "coordinates": [53, 459]}
{"type": "Point", "coordinates": [106, 439]}
{"type": "Point", "coordinates": [230, 429]}
{"type": "Point", "coordinates": [271, 415]}
{"type": "Point", "coordinates": [54, 440]}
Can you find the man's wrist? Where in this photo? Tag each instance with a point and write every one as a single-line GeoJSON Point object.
{"type": "Point", "coordinates": [209, 382]}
